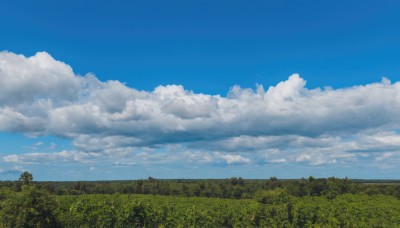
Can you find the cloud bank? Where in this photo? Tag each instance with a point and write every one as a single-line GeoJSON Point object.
{"type": "Point", "coordinates": [286, 122]}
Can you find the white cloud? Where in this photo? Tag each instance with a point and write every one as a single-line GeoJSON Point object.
{"type": "Point", "coordinates": [27, 79]}
{"type": "Point", "coordinates": [63, 156]}
{"type": "Point", "coordinates": [234, 159]}
{"type": "Point", "coordinates": [281, 160]}
{"type": "Point", "coordinates": [384, 156]}
{"type": "Point", "coordinates": [38, 144]}
{"type": "Point", "coordinates": [42, 96]}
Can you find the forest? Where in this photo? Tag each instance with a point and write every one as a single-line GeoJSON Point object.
{"type": "Point", "coordinates": [232, 202]}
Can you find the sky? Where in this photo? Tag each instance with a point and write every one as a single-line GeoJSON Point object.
{"type": "Point", "coordinates": [111, 90]}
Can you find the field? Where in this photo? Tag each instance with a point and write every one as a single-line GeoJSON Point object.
{"type": "Point", "coordinates": [276, 209]}
{"type": "Point", "coordinates": [308, 202]}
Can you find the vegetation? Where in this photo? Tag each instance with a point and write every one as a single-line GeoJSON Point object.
{"type": "Point", "coordinates": [232, 188]}
{"type": "Point", "coordinates": [26, 178]}
{"type": "Point", "coordinates": [233, 202]}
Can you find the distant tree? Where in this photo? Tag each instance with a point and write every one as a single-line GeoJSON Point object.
{"type": "Point", "coordinates": [274, 179]}
{"type": "Point", "coordinates": [139, 187]}
{"type": "Point", "coordinates": [311, 179]}
{"type": "Point", "coordinates": [272, 183]}
{"type": "Point", "coordinates": [236, 181]}
{"type": "Point", "coordinates": [26, 178]}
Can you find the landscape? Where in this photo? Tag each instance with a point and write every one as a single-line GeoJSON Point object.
{"type": "Point", "coordinates": [199, 113]}
{"type": "Point", "coordinates": [233, 202]}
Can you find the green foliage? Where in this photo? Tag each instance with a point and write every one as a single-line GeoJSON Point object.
{"type": "Point", "coordinates": [156, 211]}
{"type": "Point", "coordinates": [308, 202]}
{"type": "Point", "coordinates": [32, 207]}
{"type": "Point", "coordinates": [279, 210]}
{"type": "Point", "coordinates": [232, 188]}
{"type": "Point", "coordinates": [26, 178]}
{"type": "Point", "coordinates": [277, 196]}
{"type": "Point", "coordinates": [348, 211]}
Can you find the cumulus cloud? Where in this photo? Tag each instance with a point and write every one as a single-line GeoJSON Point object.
{"type": "Point", "coordinates": [63, 156]}
{"type": "Point", "coordinates": [23, 80]}
{"type": "Point", "coordinates": [234, 159]}
{"type": "Point", "coordinates": [42, 96]}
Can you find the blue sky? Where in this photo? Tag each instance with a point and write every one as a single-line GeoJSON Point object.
{"type": "Point", "coordinates": [95, 90]}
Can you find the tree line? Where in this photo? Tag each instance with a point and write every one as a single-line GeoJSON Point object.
{"type": "Point", "coordinates": [232, 188]}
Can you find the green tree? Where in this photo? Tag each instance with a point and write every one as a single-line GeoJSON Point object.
{"type": "Point", "coordinates": [32, 207]}
{"type": "Point", "coordinates": [26, 178]}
